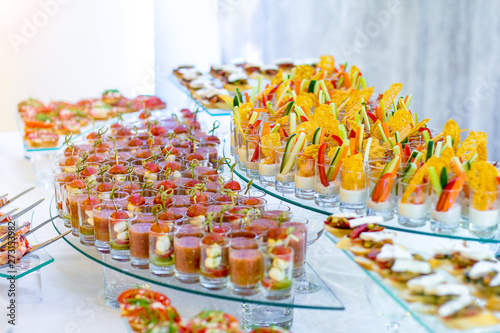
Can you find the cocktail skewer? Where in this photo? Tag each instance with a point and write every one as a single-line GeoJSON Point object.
{"type": "Point", "coordinates": [16, 197]}
{"type": "Point", "coordinates": [44, 244]}
{"type": "Point", "coordinates": [21, 213]}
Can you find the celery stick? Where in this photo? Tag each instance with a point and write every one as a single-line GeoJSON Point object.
{"type": "Point", "coordinates": [275, 128]}
{"type": "Point", "coordinates": [436, 184]}
{"type": "Point", "coordinates": [362, 82]}
{"type": "Point", "coordinates": [367, 149]}
{"type": "Point", "coordinates": [437, 150]}
{"type": "Point", "coordinates": [293, 122]}
{"type": "Point", "coordinates": [408, 104]}
{"type": "Point", "coordinates": [303, 85]}
{"type": "Point", "coordinates": [325, 90]}
{"type": "Point", "coordinates": [381, 130]}
{"type": "Point", "coordinates": [259, 85]}
{"type": "Point", "coordinates": [426, 136]}
{"type": "Point", "coordinates": [365, 117]}
{"type": "Point", "coordinates": [334, 110]}
{"type": "Point", "coordinates": [270, 107]}
{"type": "Point", "coordinates": [252, 97]}
{"type": "Point", "coordinates": [342, 132]}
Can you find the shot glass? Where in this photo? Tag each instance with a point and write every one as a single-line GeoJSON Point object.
{"type": "Point", "coordinates": [161, 249]}
{"type": "Point", "coordinates": [326, 188]}
{"type": "Point", "coordinates": [100, 214]}
{"type": "Point", "coordinates": [278, 272]}
{"type": "Point", "coordinates": [382, 199]}
{"type": "Point", "coordinates": [305, 179]}
{"type": "Point", "coordinates": [353, 191]}
{"type": "Point", "coordinates": [187, 251]}
{"type": "Point", "coordinates": [297, 228]}
{"type": "Point", "coordinates": [246, 267]}
{"type": "Point", "coordinates": [86, 219]}
{"type": "Point", "coordinates": [252, 156]}
{"type": "Point", "coordinates": [119, 237]}
{"type": "Point", "coordinates": [214, 265]}
{"type": "Point", "coordinates": [484, 213]}
{"type": "Point", "coordinates": [445, 217]}
{"type": "Point", "coordinates": [285, 171]}
{"type": "Point", "coordinates": [139, 243]}
{"type": "Point", "coordinates": [267, 164]}
{"type": "Point", "coordinates": [413, 204]}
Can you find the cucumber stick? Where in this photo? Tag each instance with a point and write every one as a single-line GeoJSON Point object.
{"type": "Point", "coordinates": [316, 136]}
{"type": "Point", "coordinates": [288, 161]}
{"type": "Point", "coordinates": [436, 184]}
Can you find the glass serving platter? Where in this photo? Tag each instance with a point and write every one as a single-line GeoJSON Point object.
{"type": "Point", "coordinates": [428, 322]}
{"type": "Point", "coordinates": [29, 263]}
{"type": "Point", "coordinates": [325, 299]}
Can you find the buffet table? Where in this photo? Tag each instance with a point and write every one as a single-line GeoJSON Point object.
{"type": "Point", "coordinates": [72, 286]}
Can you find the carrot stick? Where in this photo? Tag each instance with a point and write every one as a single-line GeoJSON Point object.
{"type": "Point", "coordinates": [343, 154]}
{"type": "Point", "coordinates": [386, 130]}
{"type": "Point", "coordinates": [352, 145]}
{"type": "Point", "coordinates": [266, 128]}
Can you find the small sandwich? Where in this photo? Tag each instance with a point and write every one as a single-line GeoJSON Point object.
{"type": "Point", "coordinates": [456, 258]}
{"type": "Point", "coordinates": [237, 80]}
{"type": "Point", "coordinates": [403, 270]}
{"type": "Point", "coordinates": [285, 64]}
{"type": "Point", "coordinates": [188, 76]}
{"type": "Point", "coordinates": [342, 224]}
{"type": "Point", "coordinates": [485, 277]}
{"type": "Point", "coordinates": [452, 302]}
{"type": "Point", "coordinates": [181, 69]}
{"type": "Point", "coordinates": [364, 242]}
{"type": "Point", "coordinates": [268, 71]}
{"type": "Point", "coordinates": [210, 97]}
{"type": "Point", "coordinates": [252, 70]}
{"type": "Point", "coordinates": [200, 83]}
{"type": "Point", "coordinates": [223, 71]}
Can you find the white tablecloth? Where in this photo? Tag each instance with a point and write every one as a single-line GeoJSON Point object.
{"type": "Point", "coordinates": [73, 284]}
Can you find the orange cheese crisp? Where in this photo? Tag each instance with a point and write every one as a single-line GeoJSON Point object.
{"type": "Point", "coordinates": [482, 181]}
{"type": "Point", "coordinates": [355, 179]}
{"type": "Point", "coordinates": [327, 64]}
{"type": "Point", "coordinates": [400, 119]}
{"type": "Point", "coordinates": [470, 145]}
{"type": "Point", "coordinates": [268, 143]}
{"type": "Point", "coordinates": [303, 72]}
{"type": "Point", "coordinates": [391, 93]}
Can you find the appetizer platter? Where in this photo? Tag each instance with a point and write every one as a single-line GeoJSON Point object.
{"type": "Point", "coordinates": [44, 126]}
{"type": "Point", "coordinates": [306, 123]}
{"type": "Point", "coordinates": [157, 193]}
{"type": "Point", "coordinates": [454, 284]}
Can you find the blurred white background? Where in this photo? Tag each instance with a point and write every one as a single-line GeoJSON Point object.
{"type": "Point", "coordinates": [446, 53]}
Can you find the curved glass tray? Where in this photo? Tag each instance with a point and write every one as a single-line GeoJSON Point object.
{"type": "Point", "coordinates": [324, 299]}
{"type": "Point", "coordinates": [29, 263]}
{"type": "Point", "coordinates": [462, 234]}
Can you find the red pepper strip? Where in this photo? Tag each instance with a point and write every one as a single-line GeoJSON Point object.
{"type": "Point", "coordinates": [371, 116]}
{"type": "Point", "coordinates": [257, 123]}
{"type": "Point", "coordinates": [272, 91]}
{"type": "Point", "coordinates": [337, 139]}
{"type": "Point", "coordinates": [264, 100]}
{"type": "Point", "coordinates": [247, 97]}
{"type": "Point", "coordinates": [282, 132]}
{"type": "Point", "coordinates": [343, 153]}
{"type": "Point", "coordinates": [498, 180]}
{"type": "Point", "coordinates": [255, 155]}
{"type": "Point", "coordinates": [358, 230]}
{"type": "Point", "coordinates": [352, 134]}
{"type": "Point", "coordinates": [303, 119]}
{"type": "Point", "coordinates": [406, 153]}
{"type": "Point", "coordinates": [334, 84]}
{"type": "Point", "coordinates": [321, 165]}
{"type": "Point", "coordinates": [421, 129]}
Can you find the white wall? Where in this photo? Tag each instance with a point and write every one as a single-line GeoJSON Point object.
{"type": "Point", "coordinates": [186, 32]}
{"type": "Point", "coordinates": [74, 49]}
